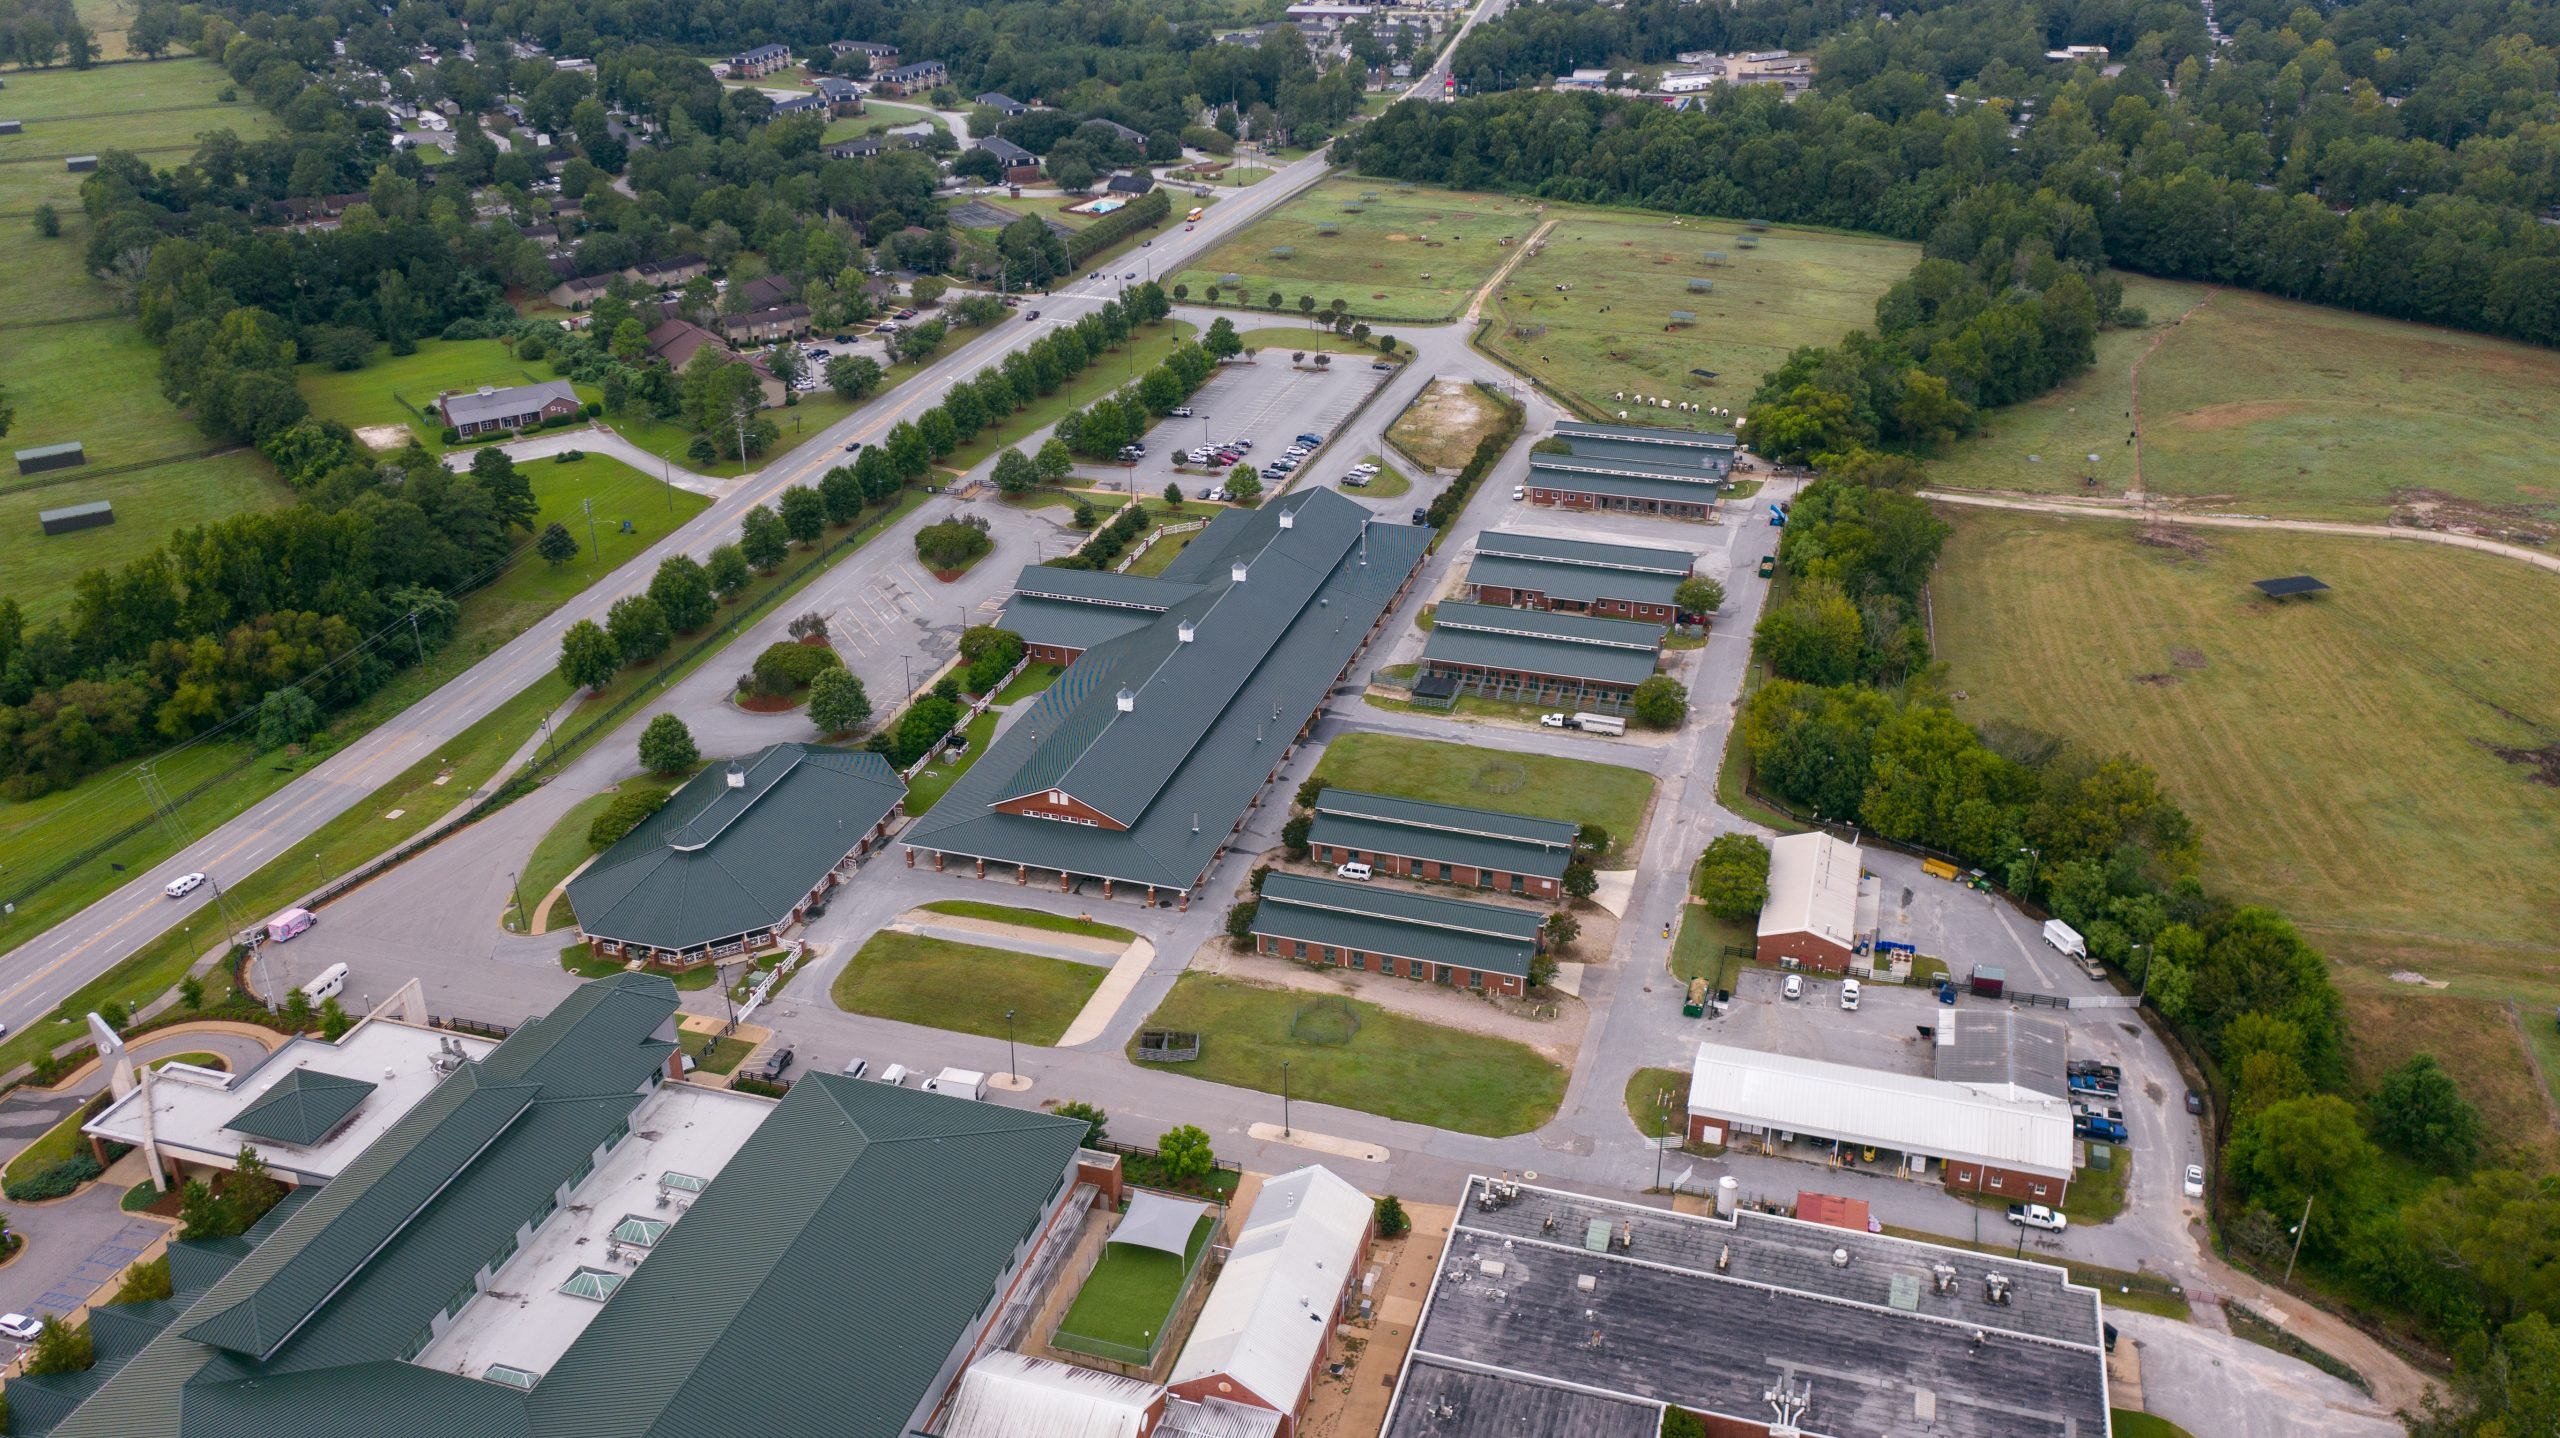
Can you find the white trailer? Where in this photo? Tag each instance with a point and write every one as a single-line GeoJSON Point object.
{"type": "Point", "coordinates": [1600, 724]}
{"type": "Point", "coordinates": [2065, 938]}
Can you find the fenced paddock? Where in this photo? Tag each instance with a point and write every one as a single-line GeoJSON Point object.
{"type": "Point", "coordinates": [1124, 1310]}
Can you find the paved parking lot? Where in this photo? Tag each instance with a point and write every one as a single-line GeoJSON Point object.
{"type": "Point", "coordinates": [1270, 402]}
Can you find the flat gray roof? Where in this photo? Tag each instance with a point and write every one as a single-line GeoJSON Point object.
{"type": "Point", "coordinates": [2004, 1046]}
{"type": "Point", "coordinates": [1441, 1401]}
{"type": "Point", "coordinates": [1709, 1314]}
{"type": "Point", "coordinates": [1377, 919]}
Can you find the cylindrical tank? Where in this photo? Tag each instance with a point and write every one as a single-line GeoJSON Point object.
{"type": "Point", "coordinates": [1728, 1196]}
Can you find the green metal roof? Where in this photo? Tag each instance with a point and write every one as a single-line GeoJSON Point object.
{"type": "Point", "coordinates": [1068, 624]}
{"type": "Point", "coordinates": [301, 1108]}
{"type": "Point", "coordinates": [1556, 549]}
{"type": "Point", "coordinates": [1618, 486]}
{"type": "Point", "coordinates": [1481, 838]}
{"type": "Point", "coordinates": [1533, 641]}
{"type": "Point", "coordinates": [1101, 586]}
{"type": "Point", "coordinates": [1575, 430]}
{"type": "Point", "coordinates": [1208, 718]}
{"type": "Point", "coordinates": [1576, 583]}
{"type": "Point", "coordinates": [722, 860]}
{"type": "Point", "coordinates": [1377, 919]}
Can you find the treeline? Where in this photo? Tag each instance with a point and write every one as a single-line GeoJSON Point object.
{"type": "Point", "coordinates": [284, 611]}
{"type": "Point", "coordinates": [1890, 157]}
{"type": "Point", "coordinates": [1099, 429]}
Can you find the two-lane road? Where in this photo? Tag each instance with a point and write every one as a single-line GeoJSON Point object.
{"type": "Point", "coordinates": [38, 975]}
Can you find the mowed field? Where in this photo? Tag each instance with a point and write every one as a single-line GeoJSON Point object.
{"type": "Point", "coordinates": [2360, 760]}
{"type": "Point", "coordinates": [81, 369]}
{"type": "Point", "coordinates": [373, 395]}
{"type": "Point", "coordinates": [2265, 406]}
{"type": "Point", "coordinates": [154, 109]}
{"type": "Point", "coordinates": [1406, 254]}
{"type": "Point", "coordinates": [1612, 332]}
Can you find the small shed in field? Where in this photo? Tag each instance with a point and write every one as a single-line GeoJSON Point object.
{"type": "Point", "coordinates": [80, 162]}
{"type": "Point", "coordinates": [2290, 587]}
{"type": "Point", "coordinates": [51, 456]}
{"type": "Point", "coordinates": [77, 516]}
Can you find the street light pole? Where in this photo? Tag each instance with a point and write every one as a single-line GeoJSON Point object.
{"type": "Point", "coordinates": [1012, 1065]}
{"type": "Point", "coordinates": [1284, 1098]}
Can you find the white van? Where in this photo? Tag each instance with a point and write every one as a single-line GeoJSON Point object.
{"type": "Point", "coordinates": [184, 885]}
{"type": "Point", "coordinates": [331, 983]}
{"type": "Point", "coordinates": [895, 1076]}
{"type": "Point", "coordinates": [1353, 870]}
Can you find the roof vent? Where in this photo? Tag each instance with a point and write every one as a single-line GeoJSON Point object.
{"type": "Point", "coordinates": [1186, 632]}
{"type": "Point", "coordinates": [1128, 700]}
{"type": "Point", "coordinates": [1839, 1258]}
{"type": "Point", "coordinates": [737, 777]}
{"type": "Point", "coordinates": [1236, 571]}
{"type": "Point", "coordinates": [1288, 519]}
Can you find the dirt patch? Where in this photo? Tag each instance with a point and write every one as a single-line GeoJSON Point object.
{"type": "Point", "coordinates": [2237, 413]}
{"type": "Point", "coordinates": [2187, 658]}
{"type": "Point", "coordinates": [2182, 542]}
{"type": "Point", "coordinates": [1443, 425]}
{"type": "Point", "coordinates": [2156, 681]}
{"type": "Point", "coordinates": [384, 438]}
{"type": "Point", "coordinates": [2541, 766]}
{"type": "Point", "coordinates": [1397, 237]}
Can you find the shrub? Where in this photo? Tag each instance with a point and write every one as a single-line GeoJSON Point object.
{"type": "Point", "coordinates": [1392, 1220]}
{"type": "Point", "coordinates": [55, 1179]}
{"type": "Point", "coordinates": [452, 435]}
{"type": "Point", "coordinates": [952, 544]}
{"type": "Point", "coordinates": [1092, 1114]}
{"type": "Point", "coordinates": [1186, 1154]}
{"type": "Point", "coordinates": [1240, 923]}
{"type": "Point", "coordinates": [786, 666]}
{"type": "Point", "coordinates": [666, 746]}
{"type": "Point", "coordinates": [623, 815]}
{"type": "Point", "coordinates": [1733, 876]}
{"type": "Point", "coordinates": [1660, 702]}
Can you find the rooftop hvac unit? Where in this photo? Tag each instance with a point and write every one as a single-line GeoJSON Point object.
{"type": "Point", "coordinates": [1944, 1275]}
{"type": "Point", "coordinates": [1995, 1288]}
{"type": "Point", "coordinates": [1839, 1258]}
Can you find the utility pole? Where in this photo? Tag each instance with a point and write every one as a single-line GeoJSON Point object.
{"type": "Point", "coordinates": [1284, 1098]}
{"type": "Point", "coordinates": [2299, 1229]}
{"type": "Point", "coordinates": [587, 506]}
{"type": "Point", "coordinates": [414, 639]}
{"type": "Point", "coordinates": [515, 886]}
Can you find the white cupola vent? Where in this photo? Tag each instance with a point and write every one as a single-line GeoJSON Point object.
{"type": "Point", "coordinates": [737, 777]}
{"type": "Point", "coordinates": [1186, 633]}
{"type": "Point", "coordinates": [1236, 571]}
{"type": "Point", "coordinates": [1288, 519]}
{"type": "Point", "coordinates": [1128, 700]}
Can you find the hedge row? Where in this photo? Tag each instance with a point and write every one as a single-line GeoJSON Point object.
{"type": "Point", "coordinates": [55, 1180]}
{"type": "Point", "coordinates": [1145, 212]}
{"type": "Point", "coordinates": [1489, 451]}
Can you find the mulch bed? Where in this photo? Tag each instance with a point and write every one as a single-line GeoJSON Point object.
{"type": "Point", "coordinates": [767, 703]}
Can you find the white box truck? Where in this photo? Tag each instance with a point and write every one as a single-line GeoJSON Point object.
{"type": "Point", "coordinates": [959, 1083]}
{"type": "Point", "coordinates": [2065, 938]}
{"type": "Point", "coordinates": [1600, 724]}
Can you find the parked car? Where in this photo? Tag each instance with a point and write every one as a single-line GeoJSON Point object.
{"type": "Point", "coordinates": [20, 1327]}
{"type": "Point", "coordinates": [1768, 566]}
{"type": "Point", "coordinates": [1849, 994]}
{"type": "Point", "coordinates": [2036, 1215]}
{"type": "Point", "coordinates": [1381, 364]}
{"type": "Point", "coordinates": [1422, 516]}
{"type": "Point", "coordinates": [184, 885]}
{"type": "Point", "coordinates": [1311, 439]}
{"type": "Point", "coordinates": [2193, 1187]}
{"type": "Point", "coordinates": [1352, 870]}
{"type": "Point", "coordinates": [895, 1075]}
{"type": "Point", "coordinates": [1519, 492]}
{"type": "Point", "coordinates": [2195, 1101]}
{"type": "Point", "coordinates": [1180, 411]}
{"type": "Point", "coordinates": [778, 1064]}
{"type": "Point", "coordinates": [1239, 444]}
{"type": "Point", "coordinates": [856, 1068]}
{"type": "Point", "coordinates": [1794, 986]}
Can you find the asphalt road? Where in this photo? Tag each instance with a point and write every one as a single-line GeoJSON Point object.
{"type": "Point", "coordinates": [45, 970]}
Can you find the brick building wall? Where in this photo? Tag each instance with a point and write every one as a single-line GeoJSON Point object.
{"type": "Point", "coordinates": [1495, 881]}
{"type": "Point", "coordinates": [1390, 965]}
{"type": "Point", "coordinates": [1811, 951]}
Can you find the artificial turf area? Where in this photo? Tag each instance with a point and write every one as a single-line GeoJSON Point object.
{"type": "Point", "coordinates": [1541, 786]}
{"type": "Point", "coordinates": [1391, 1065]}
{"type": "Point", "coordinates": [1131, 1292]}
{"type": "Point", "coordinates": [965, 987]}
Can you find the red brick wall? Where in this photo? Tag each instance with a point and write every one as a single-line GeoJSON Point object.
{"type": "Point", "coordinates": [1535, 886]}
{"type": "Point", "coordinates": [1810, 950]}
{"type": "Point", "coordinates": [1051, 653]}
{"type": "Point", "coordinates": [1041, 806]}
{"type": "Point", "coordinates": [2017, 1187]}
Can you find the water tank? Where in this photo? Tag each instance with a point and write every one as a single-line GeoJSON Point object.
{"type": "Point", "coordinates": [1728, 1196]}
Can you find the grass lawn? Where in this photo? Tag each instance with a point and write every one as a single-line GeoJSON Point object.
{"type": "Point", "coordinates": [1445, 423]}
{"type": "Point", "coordinates": [55, 1144]}
{"type": "Point", "coordinates": [1139, 354]}
{"type": "Point", "coordinates": [1033, 680]}
{"type": "Point", "coordinates": [1409, 254]}
{"type": "Point", "coordinates": [720, 1055]}
{"type": "Point", "coordinates": [2097, 1195]}
{"type": "Point", "coordinates": [965, 987]}
{"type": "Point", "coordinates": [154, 110]}
{"type": "Point", "coordinates": [1646, 1103]}
{"type": "Point", "coordinates": [586, 963]}
{"type": "Point", "coordinates": [2475, 1040]}
{"type": "Point", "coordinates": [561, 850]}
{"type": "Point", "coordinates": [2341, 756]}
{"type": "Point", "coordinates": [1305, 337]}
{"type": "Point", "coordinates": [1131, 1291]}
{"type": "Point", "coordinates": [1029, 919]}
{"type": "Point", "coordinates": [931, 784]}
{"type": "Point", "coordinates": [1395, 1066]}
{"type": "Point", "coordinates": [199, 1060]}
{"type": "Point", "coordinates": [1156, 558]}
{"type": "Point", "coordinates": [1698, 946]}
{"type": "Point", "coordinates": [1628, 271]}
{"type": "Point", "coordinates": [2129, 1424]}
{"type": "Point", "coordinates": [879, 115]}
{"type": "Point", "coordinates": [1387, 483]}
{"type": "Point", "coordinates": [37, 569]}
{"type": "Point", "coordinates": [1541, 786]}
{"type": "Point", "coordinates": [397, 389]}
{"type": "Point", "coordinates": [2271, 407]}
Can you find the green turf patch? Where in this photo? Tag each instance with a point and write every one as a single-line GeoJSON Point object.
{"type": "Point", "coordinates": [966, 988]}
{"type": "Point", "coordinates": [2129, 1424]}
{"type": "Point", "coordinates": [1130, 1295]}
{"type": "Point", "coordinates": [929, 785]}
{"type": "Point", "coordinates": [1658, 1101]}
{"type": "Point", "coordinates": [1390, 1064]}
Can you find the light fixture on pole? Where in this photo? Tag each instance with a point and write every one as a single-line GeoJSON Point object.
{"type": "Point", "coordinates": [1284, 1098]}
{"type": "Point", "coordinates": [1012, 1065]}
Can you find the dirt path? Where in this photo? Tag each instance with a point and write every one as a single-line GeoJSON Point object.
{"type": "Point", "coordinates": [2122, 510]}
{"type": "Point", "coordinates": [1475, 307]}
{"type": "Point", "coordinates": [2133, 389]}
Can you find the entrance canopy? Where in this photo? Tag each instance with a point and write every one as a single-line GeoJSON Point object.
{"type": "Point", "coordinates": [1160, 1221]}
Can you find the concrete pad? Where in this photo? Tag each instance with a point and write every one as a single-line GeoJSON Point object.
{"type": "Point", "coordinates": [1010, 1083]}
{"type": "Point", "coordinates": [1617, 887]}
{"type": "Point", "coordinates": [1350, 1148]}
{"type": "Point", "coordinates": [1569, 979]}
{"type": "Point", "coordinates": [1122, 981]}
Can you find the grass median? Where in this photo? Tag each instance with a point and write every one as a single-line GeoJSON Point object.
{"type": "Point", "coordinates": [1390, 1064]}
{"type": "Point", "coordinates": [1029, 919]}
{"type": "Point", "coordinates": [1542, 786]}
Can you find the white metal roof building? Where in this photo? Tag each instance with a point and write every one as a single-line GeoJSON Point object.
{"type": "Point", "coordinates": [1264, 1328]}
{"type": "Point", "coordinates": [1735, 1093]}
{"type": "Point", "coordinates": [1811, 914]}
{"type": "Point", "coordinates": [1008, 1395]}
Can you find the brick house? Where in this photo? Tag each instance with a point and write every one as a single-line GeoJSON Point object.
{"type": "Point", "coordinates": [490, 411]}
{"type": "Point", "coordinates": [762, 60]}
{"type": "Point", "coordinates": [908, 79]}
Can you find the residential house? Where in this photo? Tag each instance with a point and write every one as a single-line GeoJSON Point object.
{"type": "Point", "coordinates": [881, 56]}
{"type": "Point", "coordinates": [1003, 104]}
{"type": "Point", "coordinates": [1131, 182]}
{"type": "Point", "coordinates": [669, 273]}
{"type": "Point", "coordinates": [766, 291]}
{"type": "Point", "coordinates": [809, 104]}
{"type": "Point", "coordinates": [762, 60]}
{"type": "Point", "coordinates": [908, 79]}
{"type": "Point", "coordinates": [868, 147]}
{"type": "Point", "coordinates": [843, 97]}
{"type": "Point", "coordinates": [779, 322]}
{"type": "Point", "coordinates": [488, 410]}
{"type": "Point", "coordinates": [1007, 153]}
{"type": "Point", "coordinates": [1134, 137]}
{"type": "Point", "coordinates": [677, 341]}
{"type": "Point", "coordinates": [577, 294]}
